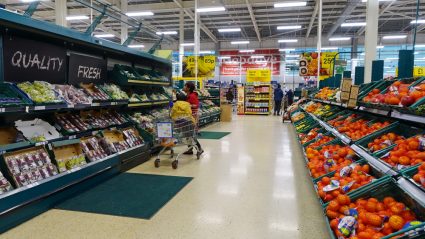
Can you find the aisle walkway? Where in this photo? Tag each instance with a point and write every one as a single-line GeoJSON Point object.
{"type": "Point", "coordinates": [250, 184]}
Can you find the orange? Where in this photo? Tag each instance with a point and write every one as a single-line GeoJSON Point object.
{"type": "Point", "coordinates": [343, 199]}
{"type": "Point", "coordinates": [326, 180]}
{"type": "Point", "coordinates": [388, 200]}
{"type": "Point", "coordinates": [404, 160]}
{"type": "Point", "coordinates": [396, 222]}
{"type": "Point", "coordinates": [413, 145]}
{"type": "Point", "coordinates": [378, 235]}
{"type": "Point", "coordinates": [331, 214]}
{"type": "Point", "coordinates": [364, 235]}
{"type": "Point", "coordinates": [334, 223]}
{"type": "Point", "coordinates": [370, 206]}
{"type": "Point", "coordinates": [333, 205]}
{"type": "Point", "coordinates": [395, 210]}
{"type": "Point", "coordinates": [374, 220]}
{"type": "Point", "coordinates": [408, 216]}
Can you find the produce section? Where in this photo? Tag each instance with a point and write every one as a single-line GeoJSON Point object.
{"type": "Point", "coordinates": [366, 168]}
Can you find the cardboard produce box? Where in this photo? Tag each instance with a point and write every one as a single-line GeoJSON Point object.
{"type": "Point", "coordinates": [226, 112]}
{"type": "Point", "coordinates": [354, 93]}
{"type": "Point", "coordinates": [346, 84]}
{"type": "Point", "coordinates": [68, 156]}
{"type": "Point", "coordinates": [345, 96]}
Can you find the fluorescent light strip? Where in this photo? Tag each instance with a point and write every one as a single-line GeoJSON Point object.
{"type": "Point", "coordinates": [379, 47]}
{"type": "Point", "coordinates": [136, 46]}
{"type": "Point", "coordinates": [205, 52]}
{"type": "Point", "coordinates": [395, 37]}
{"type": "Point", "coordinates": [257, 57]}
{"type": "Point", "coordinates": [420, 21]}
{"type": "Point", "coordinates": [287, 49]}
{"type": "Point", "coordinates": [139, 14]}
{"type": "Point", "coordinates": [239, 42]}
{"type": "Point", "coordinates": [391, 59]}
{"type": "Point", "coordinates": [287, 40]}
{"type": "Point", "coordinates": [224, 57]}
{"type": "Point", "coordinates": [246, 51]}
{"type": "Point", "coordinates": [339, 38]}
{"type": "Point", "coordinates": [288, 27]}
{"type": "Point", "coordinates": [73, 18]}
{"type": "Point", "coordinates": [187, 44]}
{"type": "Point", "coordinates": [167, 33]}
{"type": "Point", "coordinates": [229, 30]}
{"type": "Point", "coordinates": [290, 4]}
{"type": "Point", "coordinates": [420, 46]}
{"type": "Point", "coordinates": [379, 0]}
{"type": "Point", "coordinates": [329, 48]}
{"type": "Point", "coordinates": [292, 55]}
{"type": "Point", "coordinates": [104, 35]}
{"type": "Point", "coordinates": [210, 9]}
{"type": "Point", "coordinates": [353, 24]}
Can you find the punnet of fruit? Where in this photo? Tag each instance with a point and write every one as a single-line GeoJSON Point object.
{"type": "Point", "coordinates": [344, 180]}
{"type": "Point", "coordinates": [321, 139]}
{"type": "Point", "coordinates": [384, 142]}
{"type": "Point", "coordinates": [329, 158]}
{"type": "Point", "coordinates": [407, 153]}
{"type": "Point", "coordinates": [419, 177]}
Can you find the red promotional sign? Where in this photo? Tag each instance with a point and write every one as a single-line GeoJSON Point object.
{"type": "Point", "coordinates": [234, 62]}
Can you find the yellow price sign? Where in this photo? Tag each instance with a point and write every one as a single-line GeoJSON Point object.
{"type": "Point", "coordinates": [206, 66]}
{"type": "Point", "coordinates": [417, 71]}
{"type": "Point", "coordinates": [258, 75]}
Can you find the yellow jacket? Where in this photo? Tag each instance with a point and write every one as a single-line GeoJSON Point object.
{"type": "Point", "coordinates": [181, 109]}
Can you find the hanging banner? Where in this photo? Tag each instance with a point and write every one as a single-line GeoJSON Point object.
{"type": "Point", "coordinates": [28, 60]}
{"type": "Point", "coordinates": [206, 66]}
{"type": "Point", "coordinates": [234, 63]}
{"type": "Point", "coordinates": [417, 71]}
{"type": "Point", "coordinates": [309, 62]}
{"type": "Point", "coordinates": [86, 69]}
{"type": "Point", "coordinates": [258, 75]}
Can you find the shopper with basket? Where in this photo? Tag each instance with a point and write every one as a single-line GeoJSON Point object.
{"type": "Point", "coordinates": [192, 99]}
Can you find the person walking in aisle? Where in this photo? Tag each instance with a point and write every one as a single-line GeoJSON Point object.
{"type": "Point", "coordinates": [290, 95]}
{"type": "Point", "coordinates": [278, 96]}
{"type": "Point", "coordinates": [192, 99]}
{"type": "Point", "coordinates": [229, 95]}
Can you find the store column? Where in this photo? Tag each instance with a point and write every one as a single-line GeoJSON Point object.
{"type": "Point", "coordinates": [124, 27]}
{"type": "Point", "coordinates": [371, 38]}
{"type": "Point", "coordinates": [60, 12]}
{"type": "Point", "coordinates": [181, 41]}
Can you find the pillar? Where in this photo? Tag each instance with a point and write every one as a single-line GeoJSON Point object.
{"type": "Point", "coordinates": [196, 38]}
{"type": "Point", "coordinates": [371, 38]}
{"type": "Point", "coordinates": [60, 12]}
{"type": "Point", "coordinates": [124, 27]}
{"type": "Point", "coordinates": [181, 41]}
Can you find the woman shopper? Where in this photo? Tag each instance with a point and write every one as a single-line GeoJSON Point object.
{"type": "Point", "coordinates": [290, 95]}
{"type": "Point", "coordinates": [278, 96]}
{"type": "Point", "coordinates": [192, 99]}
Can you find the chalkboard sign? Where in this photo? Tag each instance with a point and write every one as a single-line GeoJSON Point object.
{"type": "Point", "coordinates": [86, 69]}
{"type": "Point", "coordinates": [28, 60]}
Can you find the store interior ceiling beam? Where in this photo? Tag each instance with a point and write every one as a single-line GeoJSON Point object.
{"type": "Point", "coordinates": [189, 12]}
{"type": "Point", "coordinates": [254, 23]}
{"type": "Point", "coordinates": [402, 15]}
{"type": "Point", "coordinates": [312, 19]}
{"type": "Point", "coordinates": [351, 5]}
{"type": "Point", "coordinates": [382, 11]}
{"type": "Point", "coordinates": [31, 8]}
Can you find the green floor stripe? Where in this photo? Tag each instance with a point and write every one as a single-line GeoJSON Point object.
{"type": "Point", "coordinates": [129, 195]}
{"type": "Point", "coordinates": [212, 135]}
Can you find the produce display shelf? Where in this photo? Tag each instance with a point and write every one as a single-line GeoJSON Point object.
{"type": "Point", "coordinates": [408, 117]}
{"type": "Point", "coordinates": [150, 103]}
{"type": "Point", "coordinates": [412, 190]}
{"type": "Point", "coordinates": [209, 98]}
{"type": "Point", "coordinates": [147, 82]}
{"type": "Point", "coordinates": [258, 99]}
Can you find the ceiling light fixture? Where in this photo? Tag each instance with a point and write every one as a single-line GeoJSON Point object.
{"type": "Point", "coordinates": [391, 59]}
{"type": "Point", "coordinates": [229, 30]}
{"type": "Point", "coordinates": [290, 4]}
{"type": "Point", "coordinates": [329, 48]}
{"type": "Point", "coordinates": [292, 55]}
{"type": "Point", "coordinates": [257, 57]}
{"type": "Point", "coordinates": [104, 35]}
{"type": "Point", "coordinates": [353, 24]}
{"type": "Point", "coordinates": [224, 57]}
{"type": "Point", "coordinates": [394, 37]}
{"type": "Point", "coordinates": [136, 46]}
{"type": "Point", "coordinates": [167, 33]}
{"type": "Point", "coordinates": [287, 40]}
{"type": "Point", "coordinates": [139, 14]}
{"type": "Point", "coordinates": [246, 51]}
{"type": "Point", "coordinates": [210, 9]}
{"type": "Point", "coordinates": [339, 38]}
{"type": "Point", "coordinates": [187, 44]}
{"type": "Point", "coordinates": [287, 49]}
{"type": "Point", "coordinates": [73, 18]}
{"type": "Point", "coordinates": [205, 52]}
{"type": "Point", "coordinates": [419, 46]}
{"type": "Point", "coordinates": [289, 27]}
{"type": "Point", "coordinates": [420, 21]}
{"type": "Point", "coordinates": [239, 42]}
{"type": "Point", "coordinates": [379, 47]}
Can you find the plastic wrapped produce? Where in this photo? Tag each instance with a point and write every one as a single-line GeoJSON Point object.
{"type": "Point", "coordinates": [73, 95]}
{"type": "Point", "coordinates": [40, 92]}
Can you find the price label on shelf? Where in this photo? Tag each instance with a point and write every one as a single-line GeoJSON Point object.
{"type": "Point", "coordinates": [41, 143]}
{"type": "Point", "coordinates": [94, 132]}
{"type": "Point", "coordinates": [40, 107]}
{"type": "Point", "coordinates": [95, 104]}
{"type": "Point", "coordinates": [73, 137]}
{"type": "Point", "coordinates": [2, 110]}
{"type": "Point", "coordinates": [114, 103]}
{"type": "Point", "coordinates": [32, 185]}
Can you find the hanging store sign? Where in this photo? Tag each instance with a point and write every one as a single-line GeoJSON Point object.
{"type": "Point", "coordinates": [235, 62]}
{"type": "Point", "coordinates": [258, 75]}
{"type": "Point", "coordinates": [309, 61]}
{"type": "Point", "coordinates": [206, 66]}
{"type": "Point", "coordinates": [87, 69]}
{"type": "Point", "coordinates": [28, 60]}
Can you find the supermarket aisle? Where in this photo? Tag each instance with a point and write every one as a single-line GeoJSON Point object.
{"type": "Point", "coordinates": [250, 184]}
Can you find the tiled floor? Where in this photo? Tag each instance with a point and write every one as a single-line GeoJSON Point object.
{"type": "Point", "coordinates": [250, 184]}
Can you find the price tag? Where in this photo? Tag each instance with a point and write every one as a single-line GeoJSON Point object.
{"type": "Point", "coordinates": [75, 169]}
{"type": "Point", "coordinates": [94, 132]}
{"type": "Point", "coordinates": [41, 107]}
{"type": "Point", "coordinates": [27, 109]}
{"type": "Point", "coordinates": [41, 143]}
{"type": "Point", "coordinates": [73, 137]}
{"type": "Point", "coordinates": [95, 104]}
{"type": "Point", "coordinates": [32, 185]}
{"type": "Point", "coordinates": [2, 152]}
{"type": "Point", "coordinates": [114, 103]}
{"type": "Point", "coordinates": [50, 146]}
{"type": "Point", "coordinates": [71, 106]}
{"type": "Point", "coordinates": [2, 110]}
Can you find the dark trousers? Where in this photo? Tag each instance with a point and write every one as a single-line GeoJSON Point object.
{"type": "Point", "coordinates": [277, 105]}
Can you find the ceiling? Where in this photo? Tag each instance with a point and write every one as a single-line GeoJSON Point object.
{"type": "Point", "coordinates": [260, 24]}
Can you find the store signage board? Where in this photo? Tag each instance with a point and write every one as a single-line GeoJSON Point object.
{"type": "Point", "coordinates": [258, 75]}
{"type": "Point", "coordinates": [235, 62]}
{"type": "Point", "coordinates": [86, 69]}
{"type": "Point", "coordinates": [309, 62]}
{"type": "Point", "coordinates": [28, 60]}
{"type": "Point", "coordinates": [206, 66]}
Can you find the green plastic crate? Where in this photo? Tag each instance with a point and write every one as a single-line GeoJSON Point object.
{"type": "Point", "coordinates": [380, 178]}
{"type": "Point", "coordinates": [404, 130]}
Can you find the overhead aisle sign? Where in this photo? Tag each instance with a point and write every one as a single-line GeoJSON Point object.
{"type": "Point", "coordinates": [309, 62]}
{"type": "Point", "coordinates": [258, 75]}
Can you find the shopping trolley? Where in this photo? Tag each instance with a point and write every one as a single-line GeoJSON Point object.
{"type": "Point", "coordinates": [176, 133]}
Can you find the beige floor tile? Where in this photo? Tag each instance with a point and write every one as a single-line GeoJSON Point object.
{"type": "Point", "coordinates": [252, 183]}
